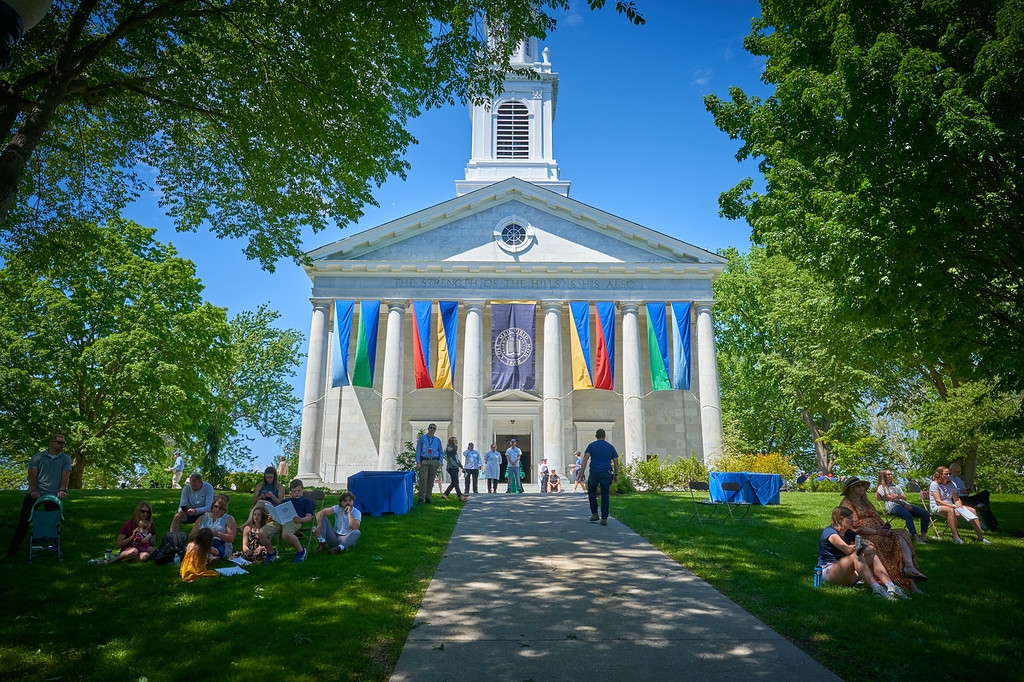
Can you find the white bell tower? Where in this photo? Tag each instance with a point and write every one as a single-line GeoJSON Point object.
{"type": "Point", "coordinates": [512, 132]}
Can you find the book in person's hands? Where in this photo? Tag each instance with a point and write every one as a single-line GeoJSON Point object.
{"type": "Point", "coordinates": [282, 513]}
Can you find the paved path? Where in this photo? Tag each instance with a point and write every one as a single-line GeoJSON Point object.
{"type": "Point", "coordinates": [529, 590]}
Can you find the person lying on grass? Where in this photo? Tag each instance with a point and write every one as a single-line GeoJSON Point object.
{"type": "Point", "coordinates": [194, 564]}
{"type": "Point", "coordinates": [843, 563]}
{"type": "Point", "coordinates": [303, 514]}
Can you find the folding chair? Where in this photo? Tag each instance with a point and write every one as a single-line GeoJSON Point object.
{"type": "Point", "coordinates": [729, 487]}
{"type": "Point", "coordinates": [307, 532]}
{"type": "Point", "coordinates": [935, 518]}
{"type": "Point", "coordinates": [698, 503]}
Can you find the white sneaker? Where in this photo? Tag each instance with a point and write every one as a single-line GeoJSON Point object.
{"type": "Point", "coordinates": [985, 541]}
{"type": "Point", "coordinates": [895, 591]}
{"type": "Point", "coordinates": [957, 541]}
{"type": "Point", "coordinates": [880, 591]}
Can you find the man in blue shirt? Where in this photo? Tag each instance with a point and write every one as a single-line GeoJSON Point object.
{"type": "Point", "coordinates": [514, 456]}
{"type": "Point", "coordinates": [48, 474]}
{"type": "Point", "coordinates": [428, 459]}
{"type": "Point", "coordinates": [196, 500]}
{"type": "Point", "coordinates": [604, 469]}
{"type": "Point", "coordinates": [471, 465]}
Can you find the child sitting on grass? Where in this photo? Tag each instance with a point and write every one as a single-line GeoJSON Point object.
{"type": "Point", "coordinates": [142, 538]}
{"type": "Point", "coordinates": [844, 563]}
{"type": "Point", "coordinates": [194, 564]}
{"type": "Point", "coordinates": [303, 514]}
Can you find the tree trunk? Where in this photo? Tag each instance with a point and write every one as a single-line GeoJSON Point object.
{"type": "Point", "coordinates": [970, 468]}
{"type": "Point", "coordinates": [77, 471]}
{"type": "Point", "coordinates": [821, 453]}
{"type": "Point", "coordinates": [19, 150]}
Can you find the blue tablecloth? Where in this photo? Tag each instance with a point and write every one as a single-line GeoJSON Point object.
{"type": "Point", "coordinates": [383, 492]}
{"type": "Point", "coordinates": [757, 488]}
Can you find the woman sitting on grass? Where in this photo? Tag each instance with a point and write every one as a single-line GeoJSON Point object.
{"type": "Point", "coordinates": [126, 536]}
{"type": "Point", "coordinates": [894, 547]}
{"type": "Point", "coordinates": [194, 564]}
{"type": "Point", "coordinates": [843, 564]}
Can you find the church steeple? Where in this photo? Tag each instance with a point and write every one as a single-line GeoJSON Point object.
{"type": "Point", "coordinates": [512, 133]}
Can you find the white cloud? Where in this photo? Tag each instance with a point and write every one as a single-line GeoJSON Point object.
{"type": "Point", "coordinates": [701, 77]}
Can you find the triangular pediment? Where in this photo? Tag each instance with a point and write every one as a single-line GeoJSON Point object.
{"type": "Point", "coordinates": [468, 229]}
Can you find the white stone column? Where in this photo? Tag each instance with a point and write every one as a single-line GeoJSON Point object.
{"type": "Point", "coordinates": [554, 427]}
{"type": "Point", "coordinates": [315, 393]}
{"type": "Point", "coordinates": [707, 379]}
{"type": "Point", "coordinates": [473, 377]}
{"type": "Point", "coordinates": [391, 390]}
{"type": "Point", "coordinates": [632, 386]}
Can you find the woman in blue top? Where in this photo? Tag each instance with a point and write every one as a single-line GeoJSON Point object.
{"type": "Point", "coordinates": [843, 564]}
{"type": "Point", "coordinates": [269, 490]}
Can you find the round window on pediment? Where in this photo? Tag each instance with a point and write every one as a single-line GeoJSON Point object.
{"type": "Point", "coordinates": [514, 234]}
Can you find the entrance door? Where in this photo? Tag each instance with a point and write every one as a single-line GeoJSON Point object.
{"type": "Point", "coordinates": [524, 443]}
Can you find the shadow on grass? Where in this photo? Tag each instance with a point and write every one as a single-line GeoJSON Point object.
{"type": "Point", "coordinates": [971, 616]}
{"type": "Point", "coordinates": [333, 617]}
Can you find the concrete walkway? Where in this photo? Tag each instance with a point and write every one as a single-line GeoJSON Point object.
{"type": "Point", "coordinates": [528, 589]}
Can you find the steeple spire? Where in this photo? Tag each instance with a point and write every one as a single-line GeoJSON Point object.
{"type": "Point", "coordinates": [512, 133]}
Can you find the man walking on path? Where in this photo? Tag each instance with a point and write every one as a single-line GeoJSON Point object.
{"type": "Point", "coordinates": [177, 468]}
{"type": "Point", "coordinates": [428, 461]}
{"type": "Point", "coordinates": [514, 456]}
{"type": "Point", "coordinates": [604, 469]}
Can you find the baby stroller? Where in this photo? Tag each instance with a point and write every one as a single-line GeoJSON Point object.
{"type": "Point", "coordinates": [47, 513]}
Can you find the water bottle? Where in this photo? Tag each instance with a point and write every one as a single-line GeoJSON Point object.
{"type": "Point", "coordinates": [177, 560]}
{"type": "Point", "coordinates": [817, 575]}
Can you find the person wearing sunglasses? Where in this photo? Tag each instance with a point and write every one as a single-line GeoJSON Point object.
{"type": "Point", "coordinates": [124, 542]}
{"type": "Point", "coordinates": [221, 524]}
{"type": "Point", "coordinates": [48, 474]}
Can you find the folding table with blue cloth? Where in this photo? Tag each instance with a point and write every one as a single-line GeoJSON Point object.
{"type": "Point", "coordinates": [747, 489]}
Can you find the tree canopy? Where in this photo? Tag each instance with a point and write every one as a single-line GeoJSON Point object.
{"type": "Point", "coordinates": [257, 118]}
{"type": "Point", "coordinates": [109, 342]}
{"type": "Point", "coordinates": [892, 154]}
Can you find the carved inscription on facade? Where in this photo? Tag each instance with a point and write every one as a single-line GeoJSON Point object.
{"type": "Point", "coordinates": [500, 283]}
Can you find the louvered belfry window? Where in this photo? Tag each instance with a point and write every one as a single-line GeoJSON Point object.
{"type": "Point", "coordinates": [513, 131]}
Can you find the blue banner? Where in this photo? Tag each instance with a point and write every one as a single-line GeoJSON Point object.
{"type": "Point", "coordinates": [681, 346]}
{"type": "Point", "coordinates": [513, 346]}
{"type": "Point", "coordinates": [343, 314]}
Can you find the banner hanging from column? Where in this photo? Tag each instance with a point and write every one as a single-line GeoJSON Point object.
{"type": "Point", "coordinates": [421, 313]}
{"type": "Point", "coordinates": [681, 346]}
{"type": "Point", "coordinates": [657, 346]}
{"type": "Point", "coordinates": [579, 345]}
{"type": "Point", "coordinates": [513, 334]}
{"type": "Point", "coordinates": [366, 343]}
{"type": "Point", "coordinates": [446, 334]}
{"type": "Point", "coordinates": [343, 311]}
{"type": "Point", "coordinates": [604, 353]}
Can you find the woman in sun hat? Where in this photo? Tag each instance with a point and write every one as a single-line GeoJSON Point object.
{"type": "Point", "coordinates": [894, 547]}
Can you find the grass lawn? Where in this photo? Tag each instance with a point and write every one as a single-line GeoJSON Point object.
{"type": "Point", "coordinates": [970, 624]}
{"type": "Point", "coordinates": [346, 617]}
{"type": "Point", "coordinates": [332, 618]}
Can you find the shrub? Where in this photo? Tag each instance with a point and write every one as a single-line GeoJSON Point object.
{"type": "Point", "coordinates": [623, 485]}
{"type": "Point", "coordinates": [244, 481]}
{"type": "Point", "coordinates": [760, 463]}
{"type": "Point", "coordinates": [823, 486]}
{"type": "Point", "coordinates": [656, 476]}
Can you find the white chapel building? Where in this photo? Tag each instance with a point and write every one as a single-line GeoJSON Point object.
{"type": "Point", "coordinates": [511, 235]}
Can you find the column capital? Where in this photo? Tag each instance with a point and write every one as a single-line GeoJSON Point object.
{"type": "Point", "coordinates": [474, 304]}
{"type": "Point", "coordinates": [701, 306]}
{"type": "Point", "coordinates": [319, 302]}
{"type": "Point", "coordinates": [630, 306]}
{"type": "Point", "coordinates": [552, 304]}
{"type": "Point", "coordinates": [396, 303]}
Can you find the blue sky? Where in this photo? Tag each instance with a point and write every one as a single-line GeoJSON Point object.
{"type": "Point", "coordinates": [630, 133]}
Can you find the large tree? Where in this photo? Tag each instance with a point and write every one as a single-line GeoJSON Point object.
{"type": "Point", "coordinates": [893, 155]}
{"type": "Point", "coordinates": [109, 342]}
{"type": "Point", "coordinates": [795, 374]}
{"type": "Point", "coordinates": [258, 117]}
{"type": "Point", "coordinates": [252, 391]}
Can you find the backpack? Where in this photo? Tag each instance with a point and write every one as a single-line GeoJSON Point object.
{"type": "Point", "coordinates": [170, 545]}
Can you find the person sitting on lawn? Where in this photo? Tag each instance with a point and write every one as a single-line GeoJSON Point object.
{"type": "Point", "coordinates": [842, 563]}
{"type": "Point", "coordinates": [979, 500]}
{"type": "Point", "coordinates": [126, 536]}
{"type": "Point", "coordinates": [194, 564]}
{"type": "Point", "coordinates": [221, 524]}
{"type": "Point", "coordinates": [252, 550]}
{"type": "Point", "coordinates": [195, 501]}
{"type": "Point", "coordinates": [945, 500]}
{"type": "Point", "coordinates": [894, 547]}
{"type": "Point", "coordinates": [344, 532]}
{"type": "Point", "coordinates": [896, 503]}
{"type": "Point", "coordinates": [303, 514]}
{"type": "Point", "coordinates": [269, 490]}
